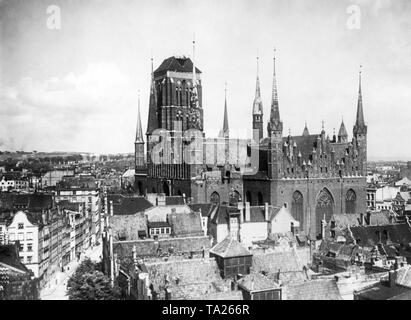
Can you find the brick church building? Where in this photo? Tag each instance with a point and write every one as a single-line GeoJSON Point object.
{"type": "Point", "coordinates": [314, 175]}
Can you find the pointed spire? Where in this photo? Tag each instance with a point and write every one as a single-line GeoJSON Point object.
{"type": "Point", "coordinates": [225, 123]}
{"type": "Point", "coordinates": [139, 129]}
{"type": "Point", "coordinates": [306, 132]}
{"type": "Point", "coordinates": [258, 103]}
{"type": "Point", "coordinates": [275, 111]}
{"type": "Point", "coordinates": [342, 133]}
{"type": "Point", "coordinates": [152, 109]}
{"type": "Point", "coordinates": [359, 123]}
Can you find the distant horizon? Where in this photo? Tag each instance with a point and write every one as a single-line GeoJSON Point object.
{"type": "Point", "coordinates": [371, 159]}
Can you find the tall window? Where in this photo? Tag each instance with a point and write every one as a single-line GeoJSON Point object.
{"type": "Point", "coordinates": [297, 208]}
{"type": "Point", "coordinates": [350, 201]}
{"type": "Point", "coordinates": [248, 196]}
{"type": "Point", "coordinates": [260, 199]}
{"type": "Point", "coordinates": [215, 198]}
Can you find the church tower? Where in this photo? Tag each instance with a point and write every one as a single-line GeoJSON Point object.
{"type": "Point", "coordinates": [360, 134]}
{"type": "Point", "coordinates": [258, 131]}
{"type": "Point", "coordinates": [275, 134]}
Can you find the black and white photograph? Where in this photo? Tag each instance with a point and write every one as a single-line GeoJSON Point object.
{"type": "Point", "coordinates": [207, 153]}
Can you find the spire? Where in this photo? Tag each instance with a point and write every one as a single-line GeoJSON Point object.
{"type": "Point", "coordinates": [306, 132]}
{"type": "Point", "coordinates": [225, 123]}
{"type": "Point", "coordinates": [275, 111]}
{"type": "Point", "coordinates": [139, 129]}
{"type": "Point", "coordinates": [359, 123]}
{"type": "Point", "coordinates": [258, 103]}
{"type": "Point", "coordinates": [342, 133]}
{"type": "Point", "coordinates": [152, 109]}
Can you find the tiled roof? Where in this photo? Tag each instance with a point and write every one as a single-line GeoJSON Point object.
{"type": "Point", "coordinates": [174, 200]}
{"type": "Point", "coordinates": [127, 205]}
{"type": "Point", "coordinates": [382, 291]}
{"type": "Point", "coordinates": [128, 226]}
{"type": "Point", "coordinates": [257, 282]}
{"type": "Point", "coordinates": [205, 208]}
{"type": "Point", "coordinates": [186, 224]}
{"type": "Point", "coordinates": [272, 262]}
{"type": "Point", "coordinates": [230, 248]}
{"type": "Point", "coordinates": [223, 213]}
{"type": "Point", "coordinates": [187, 279]}
{"type": "Point", "coordinates": [158, 224]}
{"type": "Point", "coordinates": [151, 247]}
{"type": "Point", "coordinates": [323, 289]}
{"type": "Point", "coordinates": [368, 235]}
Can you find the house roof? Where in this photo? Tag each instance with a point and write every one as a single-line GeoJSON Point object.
{"type": "Point", "coordinates": [127, 204]}
{"type": "Point", "coordinates": [129, 173]}
{"type": "Point", "coordinates": [205, 208]}
{"type": "Point", "coordinates": [128, 226]}
{"type": "Point", "coordinates": [383, 291]}
{"type": "Point", "coordinates": [272, 262]}
{"type": "Point", "coordinates": [186, 224]}
{"type": "Point", "coordinates": [404, 276]}
{"type": "Point", "coordinates": [323, 289]}
{"type": "Point", "coordinates": [174, 200]}
{"type": "Point", "coordinates": [369, 235]}
{"type": "Point", "coordinates": [229, 248]}
{"type": "Point", "coordinates": [158, 224]}
{"type": "Point", "coordinates": [257, 282]}
{"type": "Point", "coordinates": [9, 256]}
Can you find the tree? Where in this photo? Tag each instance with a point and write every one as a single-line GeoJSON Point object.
{"type": "Point", "coordinates": [90, 283]}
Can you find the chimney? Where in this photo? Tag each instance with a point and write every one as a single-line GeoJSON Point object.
{"type": "Point", "coordinates": [247, 211]}
{"type": "Point", "coordinates": [392, 278]}
{"type": "Point", "coordinates": [241, 208]}
{"type": "Point", "coordinates": [368, 218]}
{"type": "Point", "coordinates": [161, 199]}
{"type": "Point", "coordinates": [266, 211]}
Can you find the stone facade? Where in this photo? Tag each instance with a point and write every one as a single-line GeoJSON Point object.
{"type": "Point", "coordinates": [314, 174]}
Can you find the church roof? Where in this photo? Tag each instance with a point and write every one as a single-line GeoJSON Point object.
{"type": "Point", "coordinates": [176, 64]}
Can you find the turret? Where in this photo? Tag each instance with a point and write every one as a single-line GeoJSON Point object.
{"type": "Point", "coordinates": [342, 133]}
{"type": "Point", "coordinates": [225, 133]}
{"type": "Point", "coordinates": [257, 111]}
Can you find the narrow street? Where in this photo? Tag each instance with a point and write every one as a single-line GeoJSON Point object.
{"type": "Point", "coordinates": [56, 290]}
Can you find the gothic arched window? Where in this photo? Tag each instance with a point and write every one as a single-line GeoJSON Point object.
{"type": "Point", "coordinates": [324, 208]}
{"type": "Point", "coordinates": [297, 208]}
{"type": "Point", "coordinates": [215, 198]}
{"type": "Point", "coordinates": [350, 201]}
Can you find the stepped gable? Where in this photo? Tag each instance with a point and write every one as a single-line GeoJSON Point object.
{"type": "Point", "coordinates": [229, 248]}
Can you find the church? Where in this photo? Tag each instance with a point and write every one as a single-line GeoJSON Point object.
{"type": "Point", "coordinates": [314, 175]}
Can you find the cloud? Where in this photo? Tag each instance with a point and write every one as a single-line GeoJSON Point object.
{"type": "Point", "coordinates": [64, 110]}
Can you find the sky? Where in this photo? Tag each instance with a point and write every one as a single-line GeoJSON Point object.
{"type": "Point", "coordinates": [76, 88]}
